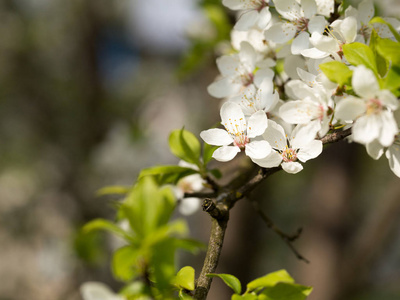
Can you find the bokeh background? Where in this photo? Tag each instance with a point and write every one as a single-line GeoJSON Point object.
{"type": "Point", "coordinates": [89, 91]}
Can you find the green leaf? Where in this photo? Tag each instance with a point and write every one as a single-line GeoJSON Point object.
{"type": "Point", "coordinates": [184, 296]}
{"type": "Point", "coordinates": [230, 281]}
{"type": "Point", "coordinates": [391, 28]}
{"type": "Point", "coordinates": [392, 80]}
{"type": "Point", "coordinates": [270, 279]}
{"type": "Point", "coordinates": [185, 146]}
{"type": "Point", "coordinates": [208, 151]}
{"type": "Point", "coordinates": [381, 62]}
{"type": "Point", "coordinates": [337, 72]}
{"type": "Point", "coordinates": [185, 278]}
{"type": "Point", "coordinates": [178, 227]}
{"type": "Point", "coordinates": [360, 54]}
{"type": "Point", "coordinates": [287, 291]}
{"type": "Point", "coordinates": [167, 174]}
{"type": "Point", "coordinates": [113, 190]}
{"type": "Point", "coordinates": [244, 297]}
{"type": "Point", "coordinates": [390, 50]}
{"type": "Point", "coordinates": [190, 245]}
{"type": "Point", "coordinates": [124, 263]}
{"type": "Point", "coordinates": [102, 224]}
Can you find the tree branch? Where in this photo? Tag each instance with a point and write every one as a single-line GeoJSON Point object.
{"type": "Point", "coordinates": [219, 211]}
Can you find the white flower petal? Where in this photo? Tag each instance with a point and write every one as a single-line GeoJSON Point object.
{"type": "Point", "coordinates": [317, 24]}
{"type": "Point", "coordinates": [246, 20]}
{"type": "Point", "coordinates": [393, 155]}
{"type": "Point", "coordinates": [374, 149]}
{"type": "Point", "coordinates": [309, 8]}
{"type": "Point", "coordinates": [350, 108]}
{"type": "Point", "coordinates": [324, 43]}
{"type": "Point", "coordinates": [300, 43]}
{"type": "Point", "coordinates": [314, 53]}
{"type": "Point", "coordinates": [257, 124]}
{"type": "Point", "coordinates": [325, 7]}
{"type": "Point", "coordinates": [298, 112]}
{"type": "Point", "coordinates": [258, 149]}
{"type": "Point", "coordinates": [188, 206]}
{"type": "Point", "coordinates": [289, 9]}
{"type": "Point", "coordinates": [389, 128]}
{"type": "Point", "coordinates": [310, 150]}
{"type": "Point", "coordinates": [274, 159]}
{"type": "Point", "coordinates": [297, 89]}
{"type": "Point", "coordinates": [223, 88]}
{"type": "Point", "coordinates": [364, 82]}
{"type": "Point", "coordinates": [233, 118]}
{"type": "Point", "coordinates": [292, 167]}
{"type": "Point", "coordinates": [388, 99]}
{"type": "Point", "coordinates": [280, 33]}
{"type": "Point", "coordinates": [366, 129]}
{"type": "Point", "coordinates": [365, 11]}
{"type": "Point", "coordinates": [275, 135]}
{"type": "Point", "coordinates": [348, 29]}
{"type": "Point", "coordinates": [304, 133]}
{"type": "Point", "coordinates": [98, 291]}
{"type": "Point", "coordinates": [247, 55]}
{"type": "Point", "coordinates": [226, 153]}
{"type": "Point", "coordinates": [228, 64]}
{"type": "Point", "coordinates": [264, 18]}
{"type": "Point", "coordinates": [235, 4]}
{"type": "Point", "coordinates": [263, 74]}
{"type": "Point", "coordinates": [216, 137]}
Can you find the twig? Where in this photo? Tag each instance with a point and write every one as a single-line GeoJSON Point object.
{"type": "Point", "coordinates": [286, 237]}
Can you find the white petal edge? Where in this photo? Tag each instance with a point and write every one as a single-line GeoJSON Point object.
{"type": "Point", "coordinates": [226, 153]}
{"type": "Point", "coordinates": [258, 149]}
{"type": "Point", "coordinates": [216, 137]}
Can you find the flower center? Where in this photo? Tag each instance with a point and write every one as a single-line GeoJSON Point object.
{"type": "Point", "coordinates": [301, 25]}
{"type": "Point", "coordinates": [289, 154]}
{"type": "Point", "coordinates": [247, 79]}
{"type": "Point", "coordinates": [241, 140]}
{"type": "Point", "coordinates": [374, 106]}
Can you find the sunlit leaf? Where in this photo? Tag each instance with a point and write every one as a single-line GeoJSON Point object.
{"type": "Point", "coordinates": [230, 281]}
{"type": "Point", "coordinates": [185, 278]}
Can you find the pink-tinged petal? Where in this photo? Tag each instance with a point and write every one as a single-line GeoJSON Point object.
{"type": "Point", "coordinates": [228, 64]}
{"type": "Point", "coordinates": [374, 149]}
{"type": "Point", "coordinates": [275, 135]}
{"type": "Point", "coordinates": [348, 29]}
{"type": "Point", "coordinates": [246, 20]}
{"type": "Point", "coordinates": [350, 108]}
{"type": "Point", "coordinates": [366, 11]}
{"type": "Point", "coordinates": [310, 151]}
{"type": "Point", "coordinates": [388, 99]}
{"type": "Point", "coordinates": [233, 118]}
{"type": "Point", "coordinates": [364, 82]}
{"type": "Point", "coordinates": [280, 33]}
{"type": "Point", "coordinates": [274, 159]}
{"type": "Point", "coordinates": [299, 112]}
{"type": "Point", "coordinates": [300, 43]}
{"type": "Point", "coordinates": [314, 53]}
{"type": "Point", "coordinates": [289, 9]}
{"type": "Point", "coordinates": [263, 74]}
{"type": "Point", "coordinates": [258, 149]}
{"type": "Point", "coordinates": [393, 155]}
{"type": "Point", "coordinates": [304, 133]}
{"type": "Point", "coordinates": [325, 7]}
{"type": "Point", "coordinates": [189, 206]}
{"type": "Point", "coordinates": [216, 137]}
{"type": "Point", "coordinates": [389, 128]}
{"type": "Point", "coordinates": [257, 124]}
{"type": "Point", "coordinates": [366, 129]}
{"type": "Point", "coordinates": [317, 24]}
{"type": "Point", "coordinates": [308, 8]}
{"type": "Point", "coordinates": [292, 167]}
{"type": "Point", "coordinates": [226, 153]}
{"type": "Point", "coordinates": [223, 88]}
{"type": "Point", "coordinates": [264, 18]}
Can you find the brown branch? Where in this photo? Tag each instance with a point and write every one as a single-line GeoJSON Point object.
{"type": "Point", "coordinates": [288, 239]}
{"type": "Point", "coordinates": [219, 211]}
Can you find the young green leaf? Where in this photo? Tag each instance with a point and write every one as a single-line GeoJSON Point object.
{"type": "Point", "coordinates": [392, 80]}
{"type": "Point", "coordinates": [381, 63]}
{"type": "Point", "coordinates": [390, 50]}
{"type": "Point", "coordinates": [337, 72]}
{"type": "Point", "coordinates": [208, 151]}
{"type": "Point", "coordinates": [124, 263]}
{"type": "Point", "coordinates": [113, 190]}
{"type": "Point", "coordinates": [360, 54]}
{"type": "Point", "coordinates": [287, 291]}
{"type": "Point", "coordinates": [270, 279]}
{"type": "Point", "coordinates": [167, 174]}
{"type": "Point", "coordinates": [185, 278]}
{"type": "Point", "coordinates": [185, 146]}
{"type": "Point", "coordinates": [230, 281]}
{"type": "Point", "coordinates": [102, 224]}
{"type": "Point", "coordinates": [244, 297]}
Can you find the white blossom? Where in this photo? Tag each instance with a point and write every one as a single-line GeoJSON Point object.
{"type": "Point", "coordinates": [239, 132]}
{"type": "Point", "coordinates": [98, 291]}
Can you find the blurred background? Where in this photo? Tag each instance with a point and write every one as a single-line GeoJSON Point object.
{"type": "Point", "coordinates": [89, 91]}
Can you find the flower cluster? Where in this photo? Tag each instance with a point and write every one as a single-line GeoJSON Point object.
{"type": "Point", "coordinates": [294, 79]}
